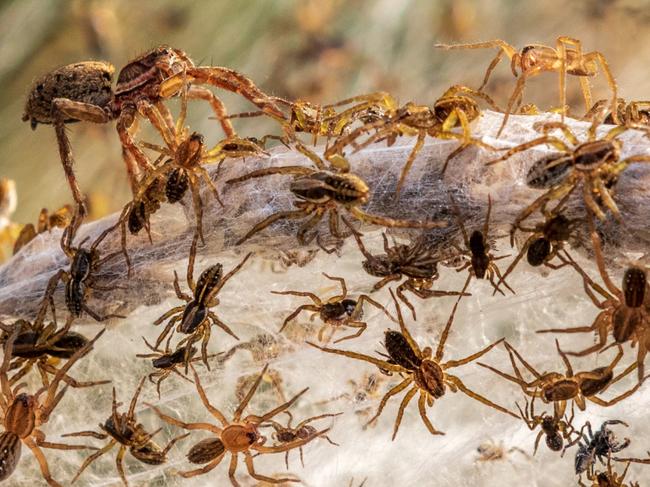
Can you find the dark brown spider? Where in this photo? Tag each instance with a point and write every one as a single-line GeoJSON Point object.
{"type": "Point", "coordinates": [337, 311]}
{"type": "Point", "coordinates": [567, 58]}
{"type": "Point", "coordinates": [555, 430]}
{"type": "Point", "coordinates": [241, 435]}
{"type": "Point", "coordinates": [80, 279]}
{"type": "Point", "coordinates": [24, 413]}
{"type": "Point", "coordinates": [195, 318]}
{"type": "Point", "coordinates": [82, 92]}
{"type": "Point", "coordinates": [288, 433]}
{"type": "Point", "coordinates": [597, 446]}
{"type": "Point", "coordinates": [124, 429]}
{"type": "Point", "coordinates": [414, 261]}
{"type": "Point", "coordinates": [321, 192]}
{"type": "Point", "coordinates": [418, 368]}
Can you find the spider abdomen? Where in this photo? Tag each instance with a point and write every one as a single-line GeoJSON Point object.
{"type": "Point", "coordinates": [10, 446]}
{"type": "Point", "coordinates": [634, 287]}
{"type": "Point", "coordinates": [206, 450]}
{"type": "Point", "coordinates": [177, 185]}
{"type": "Point", "coordinates": [400, 350]}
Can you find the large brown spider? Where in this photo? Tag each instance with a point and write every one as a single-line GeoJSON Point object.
{"type": "Point", "coordinates": [415, 261]}
{"type": "Point", "coordinates": [80, 279]}
{"type": "Point", "coordinates": [24, 413]}
{"type": "Point", "coordinates": [321, 191]}
{"type": "Point", "coordinates": [596, 163]}
{"type": "Point", "coordinates": [566, 58]}
{"type": "Point", "coordinates": [337, 311]}
{"type": "Point", "coordinates": [418, 368]}
{"type": "Point", "coordinates": [241, 435]}
{"type": "Point", "coordinates": [454, 108]}
{"type": "Point", "coordinates": [557, 388]}
{"type": "Point", "coordinates": [195, 318]}
{"type": "Point", "coordinates": [624, 311]}
{"type": "Point", "coordinates": [82, 92]}
{"type": "Point", "coordinates": [124, 429]}
{"type": "Point", "coordinates": [556, 430]}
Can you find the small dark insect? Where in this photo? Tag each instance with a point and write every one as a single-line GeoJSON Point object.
{"type": "Point", "coordinates": [24, 413]}
{"type": "Point", "coordinates": [123, 429]}
{"type": "Point", "coordinates": [83, 92]}
{"type": "Point", "coordinates": [61, 218]}
{"type": "Point", "coordinates": [337, 311]}
{"type": "Point", "coordinates": [599, 445]}
{"type": "Point", "coordinates": [321, 192]}
{"type": "Point", "coordinates": [418, 368]}
{"type": "Point", "coordinates": [567, 58]}
{"type": "Point", "coordinates": [241, 435]}
{"type": "Point", "coordinates": [415, 261]}
{"type": "Point", "coordinates": [195, 318]}
{"type": "Point", "coordinates": [80, 279]}
{"type": "Point", "coordinates": [287, 434]}
{"type": "Point", "coordinates": [554, 430]}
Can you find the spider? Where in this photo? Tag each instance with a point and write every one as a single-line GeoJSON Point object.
{"type": "Point", "coordinates": [288, 433]}
{"type": "Point", "coordinates": [489, 451]}
{"type": "Point", "coordinates": [599, 445]}
{"type": "Point", "coordinates": [80, 279]}
{"type": "Point", "coordinates": [241, 435]}
{"type": "Point", "coordinates": [24, 413]}
{"type": "Point", "coordinates": [61, 218]}
{"type": "Point", "coordinates": [567, 58]}
{"type": "Point", "coordinates": [596, 163]}
{"type": "Point", "coordinates": [557, 388]}
{"type": "Point", "coordinates": [480, 261]}
{"type": "Point", "coordinates": [624, 311]}
{"type": "Point", "coordinates": [454, 108]}
{"type": "Point", "coordinates": [337, 311]}
{"type": "Point", "coordinates": [320, 192]}
{"type": "Point", "coordinates": [124, 430]}
{"type": "Point", "coordinates": [609, 478]}
{"type": "Point", "coordinates": [554, 429]}
{"type": "Point", "coordinates": [418, 368]}
{"type": "Point", "coordinates": [195, 318]}
{"type": "Point", "coordinates": [82, 92]}
{"type": "Point", "coordinates": [632, 114]}
{"type": "Point", "coordinates": [415, 261]}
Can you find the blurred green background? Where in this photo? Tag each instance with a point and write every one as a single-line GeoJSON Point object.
{"type": "Point", "coordinates": [319, 50]}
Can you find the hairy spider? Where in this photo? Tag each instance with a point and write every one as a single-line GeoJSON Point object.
{"type": "Point", "coordinates": [567, 58]}
{"type": "Point", "coordinates": [455, 107]}
{"type": "Point", "coordinates": [557, 388]}
{"type": "Point", "coordinates": [241, 435]}
{"type": "Point", "coordinates": [415, 261]}
{"type": "Point", "coordinates": [288, 433]}
{"type": "Point", "coordinates": [195, 318]}
{"type": "Point", "coordinates": [337, 311]}
{"type": "Point", "coordinates": [632, 114]}
{"type": "Point", "coordinates": [82, 92]}
{"type": "Point", "coordinates": [479, 259]}
{"type": "Point", "coordinates": [418, 368]}
{"type": "Point", "coordinates": [24, 413]}
{"type": "Point", "coordinates": [320, 192]}
{"type": "Point", "coordinates": [80, 279]}
{"type": "Point", "coordinates": [554, 429]}
{"type": "Point", "coordinates": [624, 311]}
{"type": "Point", "coordinates": [599, 445]}
{"type": "Point", "coordinates": [61, 218]}
{"type": "Point", "coordinates": [124, 429]}
{"type": "Point", "coordinates": [596, 163]}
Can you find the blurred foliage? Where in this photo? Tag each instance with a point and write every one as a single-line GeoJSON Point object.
{"type": "Point", "coordinates": [320, 50]}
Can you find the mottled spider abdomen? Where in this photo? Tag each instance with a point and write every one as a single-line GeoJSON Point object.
{"type": "Point", "coordinates": [594, 153]}
{"type": "Point", "coordinates": [206, 450]}
{"type": "Point", "coordinates": [123, 432]}
{"type": "Point", "coordinates": [177, 184]}
{"type": "Point", "coordinates": [589, 387]}
{"type": "Point", "coordinates": [74, 297]}
{"type": "Point", "coordinates": [87, 82]}
{"type": "Point", "coordinates": [400, 351]}
{"type": "Point", "coordinates": [538, 251]}
{"type": "Point", "coordinates": [549, 171]}
{"type": "Point", "coordinates": [430, 377]}
{"type": "Point", "coordinates": [634, 287]}
{"type": "Point", "coordinates": [339, 310]}
{"type": "Point", "coordinates": [193, 315]}
{"type": "Point", "coordinates": [322, 186]}
{"type": "Point", "coordinates": [208, 281]}
{"type": "Point", "coordinates": [10, 446]}
{"type": "Point", "coordinates": [170, 359]}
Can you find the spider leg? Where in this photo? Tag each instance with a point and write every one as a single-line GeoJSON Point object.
{"type": "Point", "coordinates": [354, 324]}
{"type": "Point", "coordinates": [92, 458]}
{"type": "Point", "coordinates": [248, 459]}
{"type": "Point", "coordinates": [459, 384]}
{"type": "Point", "coordinates": [423, 414]}
{"type": "Point", "coordinates": [391, 222]}
{"type": "Point", "coordinates": [203, 470]}
{"type": "Point", "coordinates": [400, 413]}
{"type": "Point", "coordinates": [409, 162]}
{"type": "Point", "coordinates": [382, 364]}
{"type": "Point", "coordinates": [404, 330]}
{"type": "Point", "coordinates": [395, 390]}
{"type": "Point", "coordinates": [201, 93]}
{"type": "Point", "coordinates": [222, 325]}
{"type": "Point", "coordinates": [294, 214]}
{"type": "Point", "coordinates": [300, 309]}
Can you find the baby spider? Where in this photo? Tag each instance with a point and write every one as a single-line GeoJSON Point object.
{"type": "Point", "coordinates": [455, 107]}
{"type": "Point", "coordinates": [566, 59]}
{"type": "Point", "coordinates": [124, 429]}
{"type": "Point", "coordinates": [596, 163]}
{"type": "Point", "coordinates": [489, 451]}
{"type": "Point", "coordinates": [82, 92]}
{"type": "Point", "coordinates": [337, 311]}
{"type": "Point", "coordinates": [479, 259]}
{"type": "Point", "coordinates": [624, 311]}
{"type": "Point", "coordinates": [24, 413]}
{"type": "Point", "coordinates": [241, 435]}
{"type": "Point", "coordinates": [61, 218]}
{"type": "Point", "coordinates": [418, 368]}
{"type": "Point", "coordinates": [555, 430]}
{"type": "Point", "coordinates": [415, 261]}
{"type": "Point", "coordinates": [557, 388]}
{"type": "Point", "coordinates": [80, 279]}
{"type": "Point", "coordinates": [599, 445]}
{"type": "Point", "coordinates": [195, 318]}
{"type": "Point", "coordinates": [319, 192]}
{"type": "Point", "coordinates": [287, 434]}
